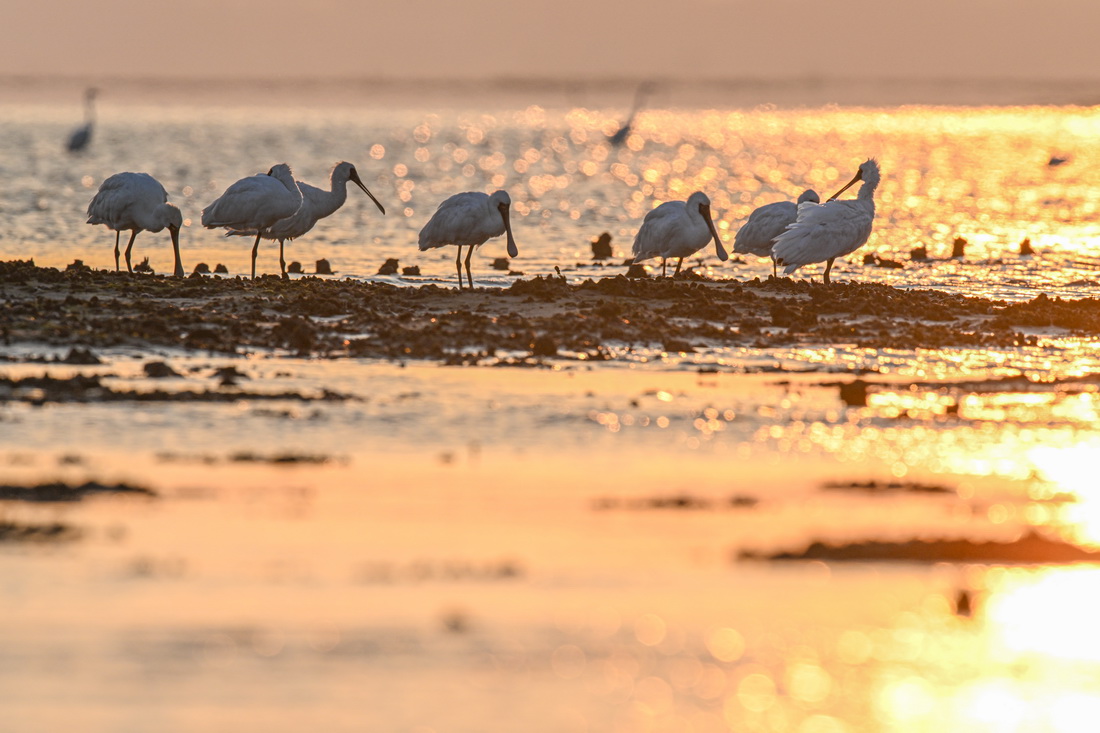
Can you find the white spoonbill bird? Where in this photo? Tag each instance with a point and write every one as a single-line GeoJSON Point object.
{"type": "Point", "coordinates": [81, 136]}
{"type": "Point", "coordinates": [136, 201]}
{"type": "Point", "coordinates": [471, 219]}
{"type": "Point", "coordinates": [677, 229]}
{"type": "Point", "coordinates": [317, 203]}
{"type": "Point", "coordinates": [757, 236]}
{"type": "Point", "coordinates": [255, 203]}
{"type": "Point", "coordinates": [833, 229]}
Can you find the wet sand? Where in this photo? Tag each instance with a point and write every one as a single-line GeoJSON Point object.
{"type": "Point", "coordinates": [230, 501]}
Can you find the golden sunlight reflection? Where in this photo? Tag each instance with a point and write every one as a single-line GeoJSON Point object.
{"type": "Point", "coordinates": [1051, 612]}
{"type": "Point", "coordinates": [1071, 470]}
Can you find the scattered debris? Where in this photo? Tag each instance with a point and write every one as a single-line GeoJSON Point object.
{"type": "Point", "coordinates": [414, 270]}
{"type": "Point", "coordinates": [1031, 549]}
{"type": "Point", "coordinates": [61, 492]}
{"type": "Point", "coordinates": [201, 269]}
{"type": "Point", "coordinates": [958, 248]}
{"type": "Point", "coordinates": [323, 267]}
{"type": "Point", "coordinates": [294, 268]}
{"type": "Point", "coordinates": [500, 263]}
{"type": "Point", "coordinates": [221, 269]}
{"type": "Point", "coordinates": [1025, 248]}
{"type": "Point", "coordinates": [601, 247]}
{"type": "Point", "coordinates": [389, 267]}
{"type": "Point", "coordinates": [144, 267]}
{"type": "Point", "coordinates": [159, 370]}
{"type": "Point", "coordinates": [919, 254]}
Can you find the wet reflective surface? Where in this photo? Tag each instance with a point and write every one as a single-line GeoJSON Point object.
{"type": "Point", "coordinates": [559, 548]}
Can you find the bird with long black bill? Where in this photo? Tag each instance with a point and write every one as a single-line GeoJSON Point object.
{"type": "Point", "coordinates": [317, 203]}
{"type": "Point", "coordinates": [677, 229]}
{"type": "Point", "coordinates": [137, 202]}
{"type": "Point", "coordinates": [469, 220]}
{"type": "Point", "coordinates": [824, 232]}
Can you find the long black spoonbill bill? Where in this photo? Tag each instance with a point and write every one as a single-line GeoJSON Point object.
{"type": "Point", "coordinates": [677, 229]}
{"type": "Point", "coordinates": [470, 219]}
{"type": "Point", "coordinates": [758, 235]}
{"type": "Point", "coordinates": [255, 203]}
{"type": "Point", "coordinates": [317, 203]}
{"type": "Point", "coordinates": [833, 229]}
{"type": "Point", "coordinates": [136, 201]}
{"type": "Point", "coordinates": [81, 136]}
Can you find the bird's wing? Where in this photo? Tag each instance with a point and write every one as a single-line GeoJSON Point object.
{"type": "Point", "coordinates": [656, 229]}
{"type": "Point", "coordinates": [822, 232]}
{"type": "Point", "coordinates": [244, 202]}
{"type": "Point", "coordinates": [123, 194]}
{"type": "Point", "coordinates": [758, 234]}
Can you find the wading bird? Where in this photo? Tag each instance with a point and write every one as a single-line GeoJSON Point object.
{"type": "Point", "coordinates": [136, 201]}
{"type": "Point", "coordinates": [469, 218]}
{"type": "Point", "coordinates": [765, 224]}
{"type": "Point", "coordinates": [677, 229]}
{"type": "Point", "coordinates": [639, 99]}
{"type": "Point", "coordinates": [833, 229]}
{"type": "Point", "coordinates": [317, 203]}
{"type": "Point", "coordinates": [255, 203]}
{"type": "Point", "coordinates": [82, 135]}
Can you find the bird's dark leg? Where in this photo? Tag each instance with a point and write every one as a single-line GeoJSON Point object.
{"type": "Point", "coordinates": [775, 268]}
{"type": "Point", "coordinates": [469, 254]}
{"type": "Point", "coordinates": [828, 266]}
{"type": "Point", "coordinates": [679, 262]}
{"type": "Point", "coordinates": [664, 266]}
{"type": "Point", "coordinates": [129, 246]}
{"type": "Point", "coordinates": [255, 249]}
{"type": "Point", "coordinates": [282, 262]}
{"type": "Point", "coordinates": [458, 265]}
{"type": "Point", "coordinates": [117, 233]}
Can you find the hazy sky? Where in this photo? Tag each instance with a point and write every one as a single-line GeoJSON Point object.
{"type": "Point", "coordinates": [1052, 39]}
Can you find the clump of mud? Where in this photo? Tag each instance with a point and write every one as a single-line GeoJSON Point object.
{"type": "Point", "coordinates": [1031, 549]}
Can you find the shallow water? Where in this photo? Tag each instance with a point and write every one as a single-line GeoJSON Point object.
{"type": "Point", "coordinates": [977, 173]}
{"type": "Point", "coordinates": [556, 548]}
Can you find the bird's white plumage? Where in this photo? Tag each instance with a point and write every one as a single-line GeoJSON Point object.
{"type": "Point", "coordinates": [256, 202]}
{"type": "Point", "coordinates": [677, 229]}
{"type": "Point", "coordinates": [317, 203]}
{"type": "Point", "coordinates": [757, 236]}
{"type": "Point", "coordinates": [135, 202]}
{"type": "Point", "coordinates": [834, 229]}
{"type": "Point", "coordinates": [469, 219]}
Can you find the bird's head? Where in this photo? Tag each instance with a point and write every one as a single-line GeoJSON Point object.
{"type": "Point", "coordinates": [810, 196]}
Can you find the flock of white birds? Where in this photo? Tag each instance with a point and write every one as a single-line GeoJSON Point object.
{"type": "Point", "coordinates": [277, 207]}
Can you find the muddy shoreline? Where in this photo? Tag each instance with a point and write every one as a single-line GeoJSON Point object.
{"type": "Point", "coordinates": [539, 317]}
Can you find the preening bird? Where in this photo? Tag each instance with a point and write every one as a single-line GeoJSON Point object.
{"type": "Point", "coordinates": [317, 203]}
{"type": "Point", "coordinates": [255, 203]}
{"type": "Point", "coordinates": [766, 223]}
{"type": "Point", "coordinates": [677, 229]}
{"type": "Point", "coordinates": [469, 219]}
{"type": "Point", "coordinates": [81, 136]}
{"type": "Point", "coordinates": [136, 201]}
{"type": "Point", "coordinates": [833, 229]}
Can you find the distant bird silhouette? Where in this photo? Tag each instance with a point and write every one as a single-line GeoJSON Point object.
{"type": "Point", "coordinates": [833, 229]}
{"type": "Point", "coordinates": [317, 203]}
{"type": "Point", "coordinates": [81, 136]}
{"type": "Point", "coordinates": [136, 201]}
{"type": "Point", "coordinates": [640, 96]}
{"type": "Point", "coordinates": [766, 223]}
{"type": "Point", "coordinates": [471, 219]}
{"type": "Point", "coordinates": [255, 203]}
{"type": "Point", "coordinates": [677, 229]}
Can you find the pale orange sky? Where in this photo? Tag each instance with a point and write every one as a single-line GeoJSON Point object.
{"type": "Point", "coordinates": [1004, 39]}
